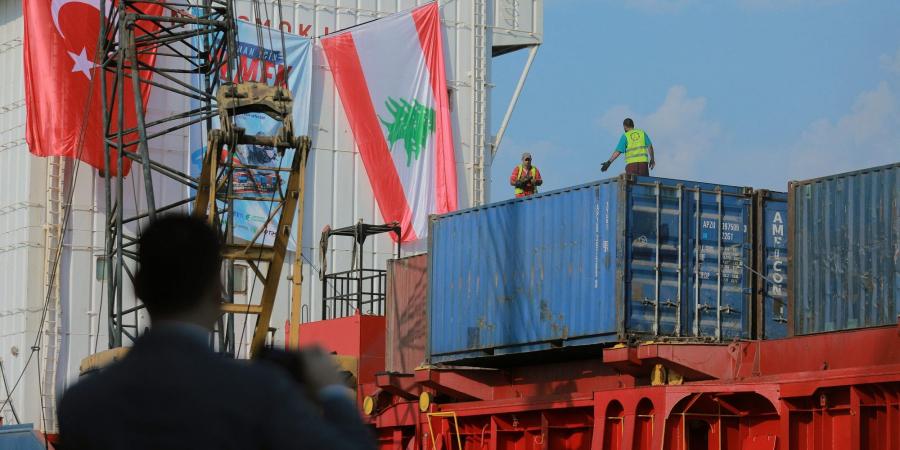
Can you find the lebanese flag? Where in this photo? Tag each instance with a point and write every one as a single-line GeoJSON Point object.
{"type": "Point", "coordinates": [62, 80]}
{"type": "Point", "coordinates": [390, 77]}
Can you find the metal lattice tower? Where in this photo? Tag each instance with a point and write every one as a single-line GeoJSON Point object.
{"type": "Point", "coordinates": [197, 39]}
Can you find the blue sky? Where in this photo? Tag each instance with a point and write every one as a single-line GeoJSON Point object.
{"type": "Point", "coordinates": [743, 92]}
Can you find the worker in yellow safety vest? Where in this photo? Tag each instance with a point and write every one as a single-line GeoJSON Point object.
{"type": "Point", "coordinates": [525, 177]}
{"type": "Point", "coordinates": [638, 151]}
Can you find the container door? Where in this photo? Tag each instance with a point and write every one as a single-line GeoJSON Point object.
{"type": "Point", "coordinates": [773, 265]}
{"type": "Point", "coordinates": [653, 273]}
{"type": "Point", "coordinates": [845, 250]}
{"type": "Point", "coordinates": [719, 289]}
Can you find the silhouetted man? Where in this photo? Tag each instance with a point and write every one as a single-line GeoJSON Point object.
{"type": "Point", "coordinates": [172, 392]}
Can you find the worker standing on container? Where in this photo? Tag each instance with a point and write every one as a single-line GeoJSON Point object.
{"type": "Point", "coordinates": [525, 177]}
{"type": "Point", "coordinates": [638, 149]}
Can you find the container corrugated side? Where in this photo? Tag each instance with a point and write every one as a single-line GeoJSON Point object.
{"type": "Point", "coordinates": [600, 262]}
{"type": "Point", "coordinates": [770, 239]}
{"type": "Point", "coordinates": [405, 311]}
{"type": "Point", "coordinates": [845, 250]}
{"type": "Point", "coordinates": [511, 275]}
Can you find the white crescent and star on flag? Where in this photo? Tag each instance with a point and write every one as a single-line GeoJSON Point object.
{"type": "Point", "coordinates": [82, 63]}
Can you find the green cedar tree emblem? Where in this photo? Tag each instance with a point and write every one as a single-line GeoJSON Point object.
{"type": "Point", "coordinates": [412, 124]}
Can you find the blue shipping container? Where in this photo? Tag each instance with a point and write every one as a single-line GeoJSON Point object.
{"type": "Point", "coordinates": [601, 262]}
{"type": "Point", "coordinates": [771, 243]}
{"type": "Point", "coordinates": [21, 437]}
{"type": "Point", "coordinates": [845, 250]}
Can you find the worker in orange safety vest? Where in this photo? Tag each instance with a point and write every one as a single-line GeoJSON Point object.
{"type": "Point", "coordinates": [525, 177]}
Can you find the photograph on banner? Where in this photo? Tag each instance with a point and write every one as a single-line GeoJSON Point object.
{"type": "Point", "coordinates": [265, 62]}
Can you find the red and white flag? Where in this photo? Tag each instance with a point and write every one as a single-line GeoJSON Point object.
{"type": "Point", "coordinates": [62, 80]}
{"type": "Point", "coordinates": [390, 76]}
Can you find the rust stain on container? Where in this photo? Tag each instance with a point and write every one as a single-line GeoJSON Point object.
{"type": "Point", "coordinates": [844, 240]}
{"type": "Point", "coordinates": [546, 314]}
{"type": "Point", "coordinates": [407, 321]}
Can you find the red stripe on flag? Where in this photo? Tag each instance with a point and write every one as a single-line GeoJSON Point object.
{"type": "Point", "coordinates": [351, 83]}
{"type": "Point", "coordinates": [428, 23]}
{"type": "Point", "coordinates": [65, 103]}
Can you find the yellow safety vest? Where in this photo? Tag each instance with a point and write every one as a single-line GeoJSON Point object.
{"type": "Point", "coordinates": [636, 152]}
{"type": "Point", "coordinates": [519, 175]}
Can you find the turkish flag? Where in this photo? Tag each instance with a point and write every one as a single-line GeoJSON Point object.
{"type": "Point", "coordinates": [63, 93]}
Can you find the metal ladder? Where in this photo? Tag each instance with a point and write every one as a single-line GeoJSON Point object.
{"type": "Point", "coordinates": [479, 103]}
{"type": "Point", "coordinates": [53, 222]}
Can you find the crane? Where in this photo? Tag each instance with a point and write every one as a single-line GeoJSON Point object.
{"type": "Point", "coordinates": [194, 43]}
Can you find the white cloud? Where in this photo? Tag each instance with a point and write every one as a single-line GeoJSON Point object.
{"type": "Point", "coordinates": [611, 120]}
{"type": "Point", "coordinates": [868, 135]}
{"type": "Point", "coordinates": [690, 145]}
{"type": "Point", "coordinates": [891, 63]}
{"type": "Point", "coordinates": [684, 138]}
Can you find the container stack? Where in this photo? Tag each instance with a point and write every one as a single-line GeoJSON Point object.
{"type": "Point", "coordinates": [619, 259]}
{"type": "Point", "coordinates": [638, 259]}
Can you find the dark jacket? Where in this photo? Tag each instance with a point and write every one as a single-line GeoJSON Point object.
{"type": "Point", "coordinates": [172, 392]}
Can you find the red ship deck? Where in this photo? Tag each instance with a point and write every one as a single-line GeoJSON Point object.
{"type": "Point", "coordinates": [829, 391]}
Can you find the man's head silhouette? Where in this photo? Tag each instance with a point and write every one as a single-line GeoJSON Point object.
{"type": "Point", "coordinates": [178, 276]}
